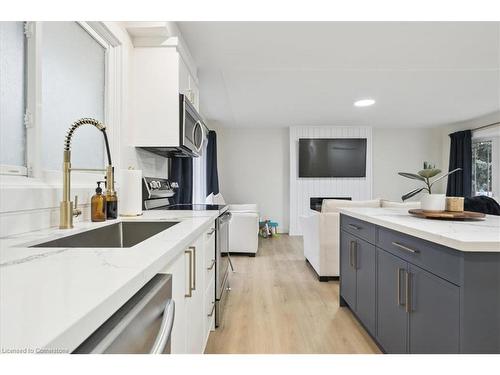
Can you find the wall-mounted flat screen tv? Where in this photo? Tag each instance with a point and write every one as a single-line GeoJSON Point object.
{"type": "Point", "coordinates": [332, 157]}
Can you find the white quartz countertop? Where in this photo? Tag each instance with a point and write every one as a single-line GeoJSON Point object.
{"type": "Point", "coordinates": [52, 299]}
{"type": "Point", "coordinates": [473, 236]}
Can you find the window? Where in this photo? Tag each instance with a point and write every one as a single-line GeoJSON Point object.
{"type": "Point", "coordinates": [51, 74]}
{"type": "Point", "coordinates": [482, 167]}
{"type": "Point", "coordinates": [73, 79]}
{"type": "Point", "coordinates": [12, 97]}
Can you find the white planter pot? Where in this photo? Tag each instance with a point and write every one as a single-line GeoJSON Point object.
{"type": "Point", "coordinates": [433, 202]}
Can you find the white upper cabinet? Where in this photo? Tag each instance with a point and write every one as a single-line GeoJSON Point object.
{"type": "Point", "coordinates": [159, 75]}
{"type": "Point", "coordinates": [188, 84]}
{"type": "Point", "coordinates": [184, 77]}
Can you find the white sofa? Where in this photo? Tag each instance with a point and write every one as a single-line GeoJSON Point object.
{"type": "Point", "coordinates": [243, 227]}
{"type": "Point", "coordinates": [321, 233]}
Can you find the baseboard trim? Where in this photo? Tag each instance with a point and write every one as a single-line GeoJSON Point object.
{"type": "Point", "coordinates": [322, 279]}
{"type": "Point", "coordinates": [243, 253]}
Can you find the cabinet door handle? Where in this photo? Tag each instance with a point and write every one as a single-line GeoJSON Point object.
{"type": "Point", "coordinates": [211, 265]}
{"type": "Point", "coordinates": [405, 247]}
{"type": "Point", "coordinates": [350, 253]}
{"type": "Point", "coordinates": [408, 291]}
{"type": "Point", "coordinates": [354, 226]}
{"type": "Point", "coordinates": [353, 254]}
{"type": "Point", "coordinates": [190, 255]}
{"type": "Point", "coordinates": [355, 260]}
{"type": "Point", "coordinates": [212, 311]}
{"type": "Point", "coordinates": [399, 286]}
{"type": "Point", "coordinates": [193, 249]}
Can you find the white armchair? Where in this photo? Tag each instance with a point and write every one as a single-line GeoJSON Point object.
{"type": "Point", "coordinates": [321, 233]}
{"type": "Point", "coordinates": [243, 227]}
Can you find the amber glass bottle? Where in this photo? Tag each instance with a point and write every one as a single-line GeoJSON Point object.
{"type": "Point", "coordinates": [111, 205]}
{"type": "Point", "coordinates": [98, 205]}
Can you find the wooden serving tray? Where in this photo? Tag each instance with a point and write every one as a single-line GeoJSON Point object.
{"type": "Point", "coordinates": [447, 215]}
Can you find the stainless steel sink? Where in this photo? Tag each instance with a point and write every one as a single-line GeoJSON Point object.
{"type": "Point", "coordinates": [123, 234]}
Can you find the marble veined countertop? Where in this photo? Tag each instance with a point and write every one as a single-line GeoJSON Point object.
{"type": "Point", "coordinates": [52, 299]}
{"type": "Point", "coordinates": [477, 235]}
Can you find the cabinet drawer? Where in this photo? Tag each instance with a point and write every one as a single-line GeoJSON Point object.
{"type": "Point", "coordinates": [359, 228]}
{"type": "Point", "coordinates": [432, 257]}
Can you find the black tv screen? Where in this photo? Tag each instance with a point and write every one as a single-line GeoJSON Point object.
{"type": "Point", "coordinates": [332, 157]}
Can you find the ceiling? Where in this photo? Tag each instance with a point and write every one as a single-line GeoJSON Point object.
{"type": "Point", "coordinates": [276, 74]}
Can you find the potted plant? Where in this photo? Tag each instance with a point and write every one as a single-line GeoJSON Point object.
{"type": "Point", "coordinates": [430, 201]}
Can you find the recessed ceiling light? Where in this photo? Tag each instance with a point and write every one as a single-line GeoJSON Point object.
{"type": "Point", "coordinates": [364, 102]}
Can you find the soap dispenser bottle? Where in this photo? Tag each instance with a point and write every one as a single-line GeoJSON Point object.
{"type": "Point", "coordinates": [111, 202]}
{"type": "Point", "coordinates": [98, 204]}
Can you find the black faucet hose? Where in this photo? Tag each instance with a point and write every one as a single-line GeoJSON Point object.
{"type": "Point", "coordinates": [87, 121]}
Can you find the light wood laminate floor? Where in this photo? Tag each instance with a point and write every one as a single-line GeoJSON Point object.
{"type": "Point", "coordinates": [277, 305]}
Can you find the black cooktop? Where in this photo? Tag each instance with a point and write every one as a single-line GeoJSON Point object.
{"type": "Point", "coordinates": [192, 207]}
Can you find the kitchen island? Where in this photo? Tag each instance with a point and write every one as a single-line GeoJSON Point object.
{"type": "Point", "coordinates": [419, 285]}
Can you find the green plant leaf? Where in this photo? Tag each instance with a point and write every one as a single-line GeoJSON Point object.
{"type": "Point", "coordinates": [413, 176]}
{"type": "Point", "coordinates": [412, 193]}
{"type": "Point", "coordinates": [446, 174]}
{"type": "Point", "coordinates": [428, 173]}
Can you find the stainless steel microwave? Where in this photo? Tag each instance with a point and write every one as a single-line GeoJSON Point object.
{"type": "Point", "coordinates": [192, 129]}
{"type": "Point", "coordinates": [192, 133]}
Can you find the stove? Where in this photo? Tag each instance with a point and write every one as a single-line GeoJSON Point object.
{"type": "Point", "coordinates": [156, 196]}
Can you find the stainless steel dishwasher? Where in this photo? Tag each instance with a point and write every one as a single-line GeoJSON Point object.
{"type": "Point", "coordinates": [142, 325]}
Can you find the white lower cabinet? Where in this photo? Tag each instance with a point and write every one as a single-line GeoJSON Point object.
{"type": "Point", "coordinates": [194, 303]}
{"type": "Point", "coordinates": [177, 269]}
{"type": "Point", "coordinates": [192, 286]}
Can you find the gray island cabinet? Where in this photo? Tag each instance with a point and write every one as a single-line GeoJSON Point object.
{"type": "Point", "coordinates": [416, 296]}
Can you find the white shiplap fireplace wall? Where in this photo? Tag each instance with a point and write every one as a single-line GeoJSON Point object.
{"type": "Point", "coordinates": [301, 189]}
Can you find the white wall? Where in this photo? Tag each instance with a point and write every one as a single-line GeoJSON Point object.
{"type": "Point", "coordinates": [254, 164]}
{"type": "Point", "coordinates": [397, 150]}
{"type": "Point", "coordinates": [253, 168]}
{"type": "Point", "coordinates": [403, 150]}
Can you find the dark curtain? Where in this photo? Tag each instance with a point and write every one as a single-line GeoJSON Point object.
{"type": "Point", "coordinates": [212, 174]}
{"type": "Point", "coordinates": [181, 171]}
{"type": "Point", "coordinates": [460, 183]}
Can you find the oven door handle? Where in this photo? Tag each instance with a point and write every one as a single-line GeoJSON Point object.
{"type": "Point", "coordinates": [165, 329]}
{"type": "Point", "coordinates": [223, 286]}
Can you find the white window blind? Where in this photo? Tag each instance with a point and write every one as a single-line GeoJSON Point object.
{"type": "Point", "coordinates": [73, 86]}
{"type": "Point", "coordinates": [12, 94]}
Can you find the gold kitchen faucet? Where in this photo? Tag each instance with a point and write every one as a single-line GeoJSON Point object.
{"type": "Point", "coordinates": [66, 208]}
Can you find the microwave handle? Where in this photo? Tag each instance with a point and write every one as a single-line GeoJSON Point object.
{"type": "Point", "coordinates": [198, 124]}
{"type": "Point", "coordinates": [165, 328]}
